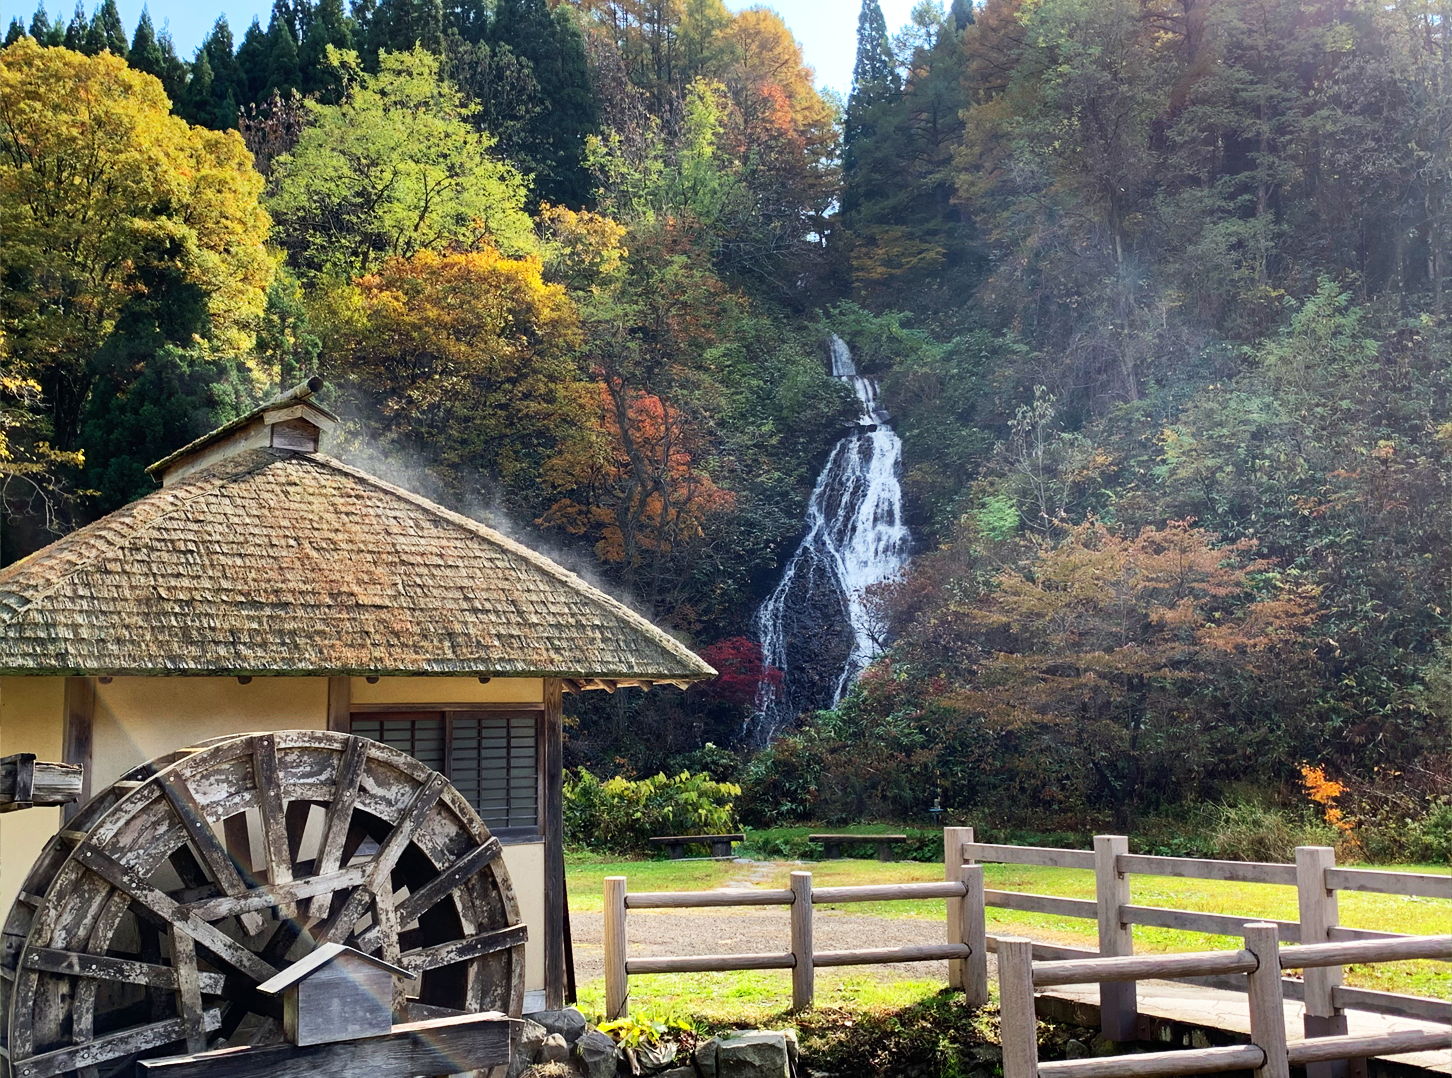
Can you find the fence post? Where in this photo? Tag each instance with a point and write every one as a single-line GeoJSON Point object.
{"type": "Point", "coordinates": [953, 864]}
{"type": "Point", "coordinates": [617, 981]}
{"type": "Point", "coordinates": [1318, 915]}
{"type": "Point", "coordinates": [1018, 1021]}
{"type": "Point", "coordinates": [1267, 1009]}
{"type": "Point", "coordinates": [975, 934]}
{"type": "Point", "coordinates": [803, 973]}
{"type": "Point", "coordinates": [1117, 1000]}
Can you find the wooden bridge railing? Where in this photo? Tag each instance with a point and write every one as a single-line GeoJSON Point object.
{"type": "Point", "coordinates": [1260, 961]}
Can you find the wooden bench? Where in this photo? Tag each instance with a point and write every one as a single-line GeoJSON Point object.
{"type": "Point", "coordinates": [832, 844]}
{"type": "Point", "coordinates": [720, 844]}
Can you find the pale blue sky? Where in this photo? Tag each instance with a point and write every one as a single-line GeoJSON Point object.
{"type": "Point", "coordinates": [827, 29]}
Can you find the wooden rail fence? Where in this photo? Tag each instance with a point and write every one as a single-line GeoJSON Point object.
{"type": "Point", "coordinates": [1317, 930]}
{"type": "Point", "coordinates": [1261, 961]}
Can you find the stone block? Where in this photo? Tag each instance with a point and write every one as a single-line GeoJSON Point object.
{"type": "Point", "coordinates": [531, 1035]}
{"type": "Point", "coordinates": [553, 1049]}
{"type": "Point", "coordinates": [568, 1023]}
{"type": "Point", "coordinates": [596, 1054]}
{"type": "Point", "coordinates": [758, 1054]}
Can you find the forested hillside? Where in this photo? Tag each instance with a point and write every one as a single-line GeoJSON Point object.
{"type": "Point", "coordinates": [1157, 291]}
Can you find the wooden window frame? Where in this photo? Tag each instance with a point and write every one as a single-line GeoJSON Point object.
{"type": "Point", "coordinates": [507, 836]}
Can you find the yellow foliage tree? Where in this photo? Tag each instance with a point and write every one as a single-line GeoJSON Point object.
{"type": "Point", "coordinates": [100, 183]}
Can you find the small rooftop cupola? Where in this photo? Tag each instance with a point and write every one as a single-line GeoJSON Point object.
{"type": "Point", "coordinates": [292, 420]}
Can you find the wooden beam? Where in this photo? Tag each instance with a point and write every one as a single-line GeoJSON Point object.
{"type": "Point", "coordinates": [77, 738]}
{"type": "Point", "coordinates": [553, 779]}
{"type": "Point", "coordinates": [464, 1042]}
{"type": "Point", "coordinates": [340, 700]}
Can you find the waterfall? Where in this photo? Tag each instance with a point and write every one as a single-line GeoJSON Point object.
{"type": "Point", "coordinates": [816, 626]}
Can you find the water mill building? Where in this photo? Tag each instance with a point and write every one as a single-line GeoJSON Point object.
{"type": "Point", "coordinates": [266, 586]}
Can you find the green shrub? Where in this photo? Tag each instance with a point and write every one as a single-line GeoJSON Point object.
{"type": "Point", "coordinates": [620, 814]}
{"type": "Point", "coordinates": [1247, 831]}
{"type": "Point", "coordinates": [1430, 838]}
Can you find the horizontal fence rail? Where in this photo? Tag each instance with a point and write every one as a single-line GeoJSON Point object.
{"type": "Point", "coordinates": [1261, 961]}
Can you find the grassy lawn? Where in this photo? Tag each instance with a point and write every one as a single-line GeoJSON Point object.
{"type": "Point", "coordinates": [1386, 913]}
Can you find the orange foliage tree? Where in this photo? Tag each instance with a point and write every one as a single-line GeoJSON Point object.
{"type": "Point", "coordinates": [1157, 659]}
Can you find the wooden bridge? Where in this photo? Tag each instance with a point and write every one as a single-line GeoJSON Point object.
{"type": "Point", "coordinates": [1210, 991]}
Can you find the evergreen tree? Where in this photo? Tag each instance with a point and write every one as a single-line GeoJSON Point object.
{"type": "Point", "coordinates": [283, 75]}
{"type": "Point", "coordinates": [254, 59]}
{"type": "Point", "coordinates": [156, 56]}
{"type": "Point", "coordinates": [327, 25]}
{"type": "Point", "coordinates": [874, 85]}
{"type": "Point", "coordinates": [16, 31]}
{"type": "Point", "coordinates": [106, 32]}
{"type": "Point", "coordinates": [43, 30]}
{"type": "Point", "coordinates": [553, 143]}
{"type": "Point", "coordinates": [469, 19]}
{"type": "Point", "coordinates": [75, 38]}
{"type": "Point", "coordinates": [399, 25]}
{"type": "Point", "coordinates": [961, 15]}
{"type": "Point", "coordinates": [195, 104]}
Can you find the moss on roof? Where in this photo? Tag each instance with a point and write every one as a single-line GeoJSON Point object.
{"type": "Point", "coordinates": [280, 563]}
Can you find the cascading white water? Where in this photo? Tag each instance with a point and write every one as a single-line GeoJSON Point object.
{"type": "Point", "coordinates": [855, 539]}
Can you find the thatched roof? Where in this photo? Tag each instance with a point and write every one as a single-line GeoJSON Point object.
{"type": "Point", "coordinates": [275, 562]}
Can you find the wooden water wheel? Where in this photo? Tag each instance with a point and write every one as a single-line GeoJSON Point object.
{"type": "Point", "coordinates": [146, 924]}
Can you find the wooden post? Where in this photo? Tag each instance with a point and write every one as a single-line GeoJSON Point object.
{"type": "Point", "coordinates": [80, 713]}
{"type": "Point", "coordinates": [975, 935]}
{"type": "Point", "coordinates": [1117, 1006]}
{"type": "Point", "coordinates": [617, 982]}
{"type": "Point", "coordinates": [803, 974]}
{"type": "Point", "coordinates": [553, 777]}
{"type": "Point", "coordinates": [1267, 1010]}
{"type": "Point", "coordinates": [1018, 1021]}
{"type": "Point", "coordinates": [340, 704]}
{"type": "Point", "coordinates": [1318, 915]}
{"type": "Point", "coordinates": [952, 865]}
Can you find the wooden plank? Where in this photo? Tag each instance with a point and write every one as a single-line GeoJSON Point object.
{"type": "Point", "coordinates": [888, 892]}
{"type": "Point", "coordinates": [1267, 1009]}
{"type": "Point", "coordinates": [108, 1046]}
{"type": "Point", "coordinates": [1199, 868]}
{"type": "Point", "coordinates": [447, 954]}
{"type": "Point", "coordinates": [1018, 1018]}
{"type": "Point", "coordinates": [1142, 967]}
{"type": "Point", "coordinates": [213, 854]}
{"type": "Point", "coordinates": [1393, 1003]}
{"type": "Point", "coordinates": [617, 982]}
{"type": "Point", "coordinates": [708, 963]}
{"type": "Point", "coordinates": [1329, 1049]}
{"type": "Point", "coordinates": [1419, 884]}
{"type": "Point", "coordinates": [876, 956]}
{"type": "Point", "coordinates": [283, 895]}
{"type": "Point", "coordinates": [105, 968]}
{"type": "Point", "coordinates": [448, 881]}
{"type": "Point", "coordinates": [1051, 904]}
{"type": "Point", "coordinates": [524, 705]}
{"type": "Point", "coordinates": [274, 820]}
{"type": "Point", "coordinates": [127, 881]}
{"type": "Point", "coordinates": [1322, 955]}
{"type": "Point", "coordinates": [673, 900]}
{"type": "Point", "coordinates": [1118, 1009]}
{"type": "Point", "coordinates": [188, 991]}
{"type": "Point", "coordinates": [17, 781]}
{"type": "Point", "coordinates": [803, 970]}
{"type": "Point", "coordinates": [76, 737]}
{"type": "Point", "coordinates": [1047, 952]}
{"type": "Point", "coordinates": [552, 819]}
{"type": "Point", "coordinates": [1340, 932]}
{"type": "Point", "coordinates": [339, 817]}
{"type": "Point", "coordinates": [701, 840]}
{"type": "Point", "coordinates": [1216, 924]}
{"type": "Point", "coordinates": [1238, 1057]}
{"type": "Point", "coordinates": [340, 701]}
{"type": "Point", "coordinates": [1028, 855]}
{"type": "Point", "coordinates": [466, 1042]}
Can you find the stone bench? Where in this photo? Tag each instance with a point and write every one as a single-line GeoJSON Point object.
{"type": "Point", "coordinates": [832, 844]}
{"type": "Point", "coordinates": [720, 844]}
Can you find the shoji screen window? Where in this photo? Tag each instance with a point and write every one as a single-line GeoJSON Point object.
{"type": "Point", "coordinates": [492, 757]}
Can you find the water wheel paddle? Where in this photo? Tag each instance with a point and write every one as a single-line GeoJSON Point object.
{"type": "Point", "coordinates": [146, 924]}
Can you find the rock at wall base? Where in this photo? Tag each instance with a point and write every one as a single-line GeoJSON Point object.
{"type": "Point", "coordinates": [761, 1054]}
{"type": "Point", "coordinates": [568, 1023]}
{"type": "Point", "coordinates": [526, 1046]}
{"type": "Point", "coordinates": [596, 1054]}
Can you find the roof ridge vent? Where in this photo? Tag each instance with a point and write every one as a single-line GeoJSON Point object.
{"type": "Point", "coordinates": [291, 420]}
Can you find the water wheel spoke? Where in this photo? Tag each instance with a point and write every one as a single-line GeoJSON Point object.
{"type": "Point", "coordinates": [214, 855]}
{"type": "Point", "coordinates": [124, 879]}
{"type": "Point", "coordinates": [282, 895]}
{"type": "Point", "coordinates": [338, 821]}
{"type": "Point", "coordinates": [188, 991]}
{"type": "Point", "coordinates": [437, 889]}
{"type": "Point", "coordinates": [447, 954]}
{"type": "Point", "coordinates": [106, 968]}
{"type": "Point", "coordinates": [109, 1046]}
{"type": "Point", "coordinates": [274, 819]}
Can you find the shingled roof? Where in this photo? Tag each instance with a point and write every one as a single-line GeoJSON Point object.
{"type": "Point", "coordinates": [274, 562]}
